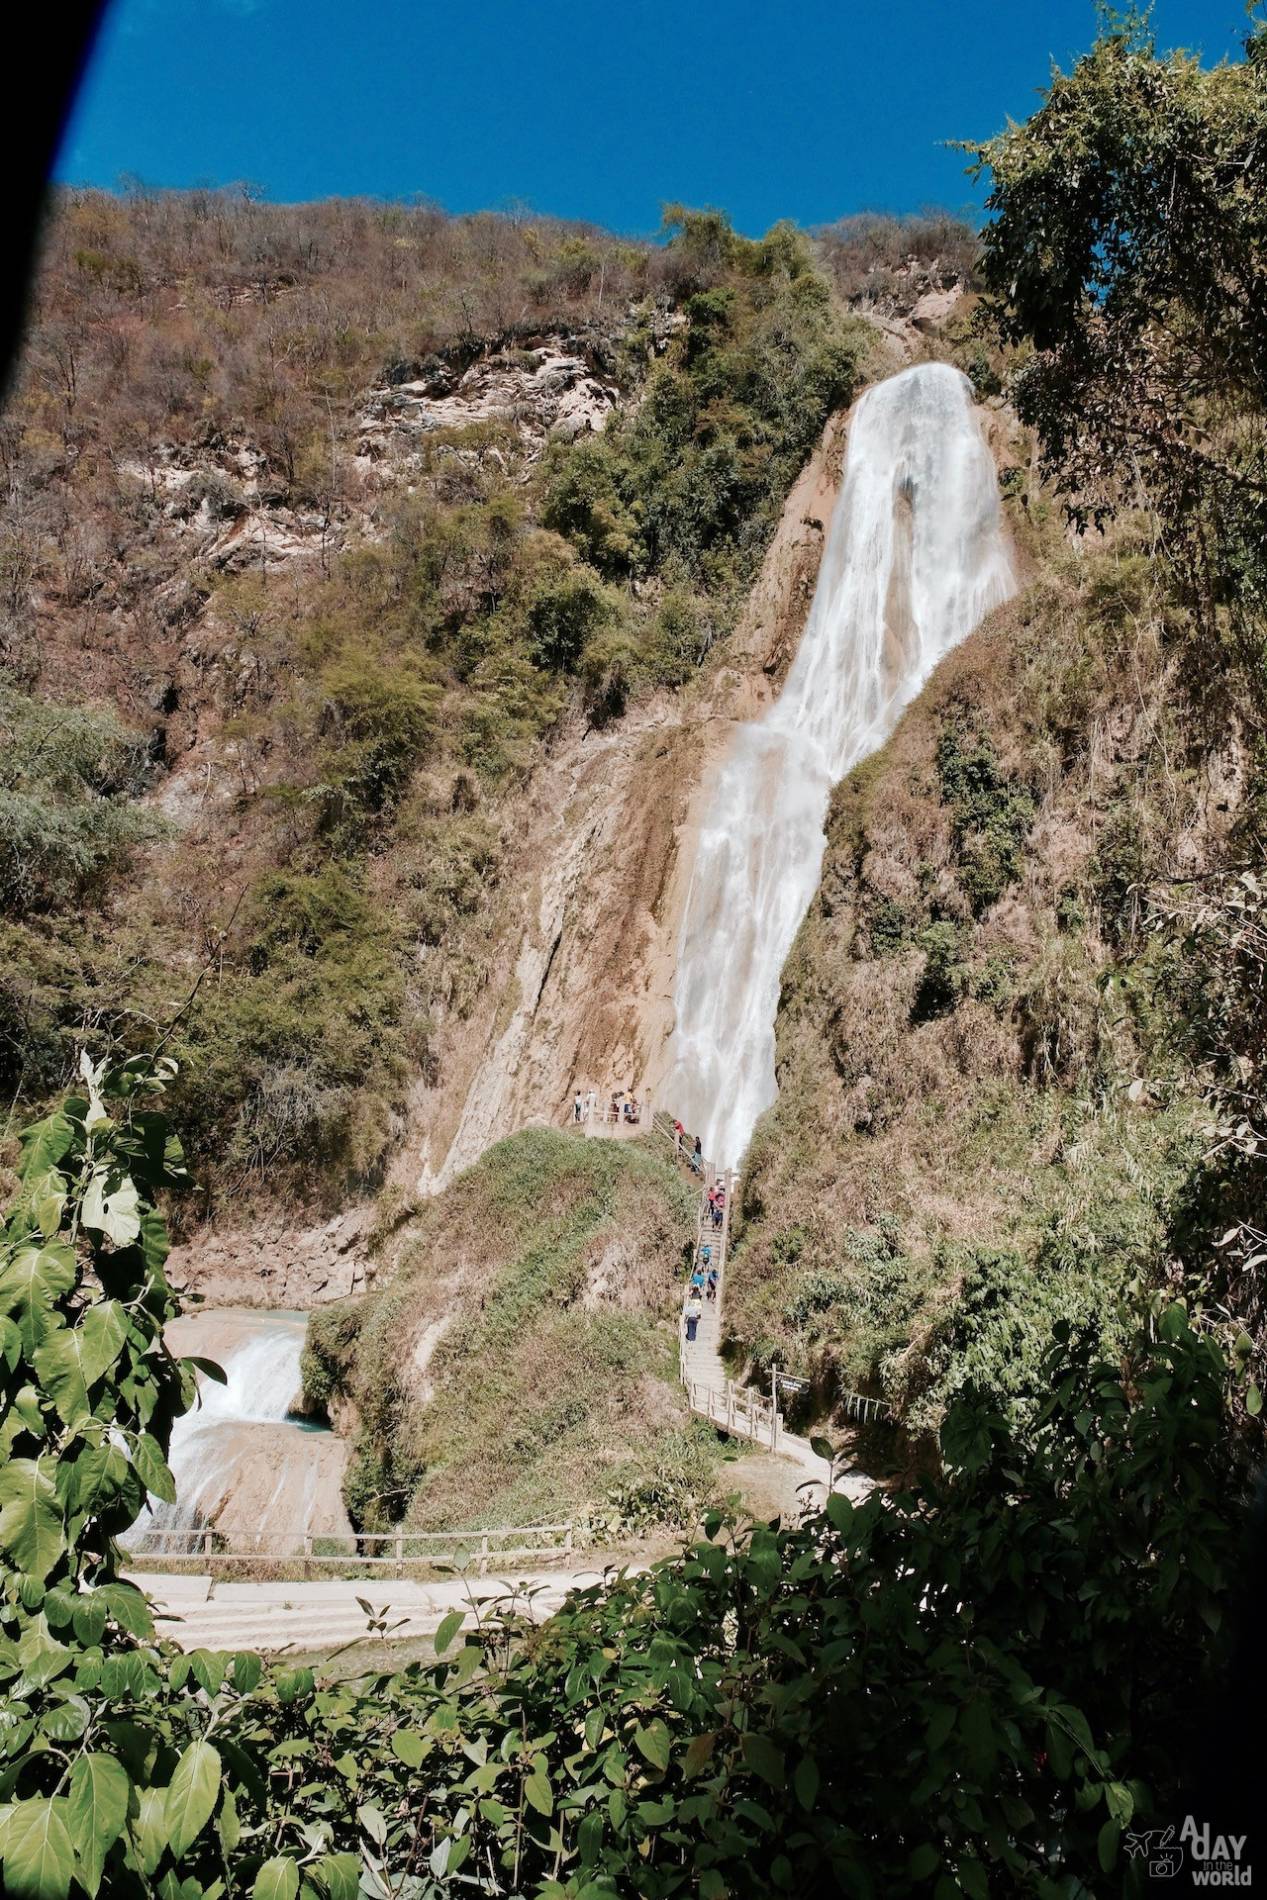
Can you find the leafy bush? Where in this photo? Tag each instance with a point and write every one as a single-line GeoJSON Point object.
{"type": "Point", "coordinates": [993, 815]}
{"type": "Point", "coordinates": [298, 1065]}
{"type": "Point", "coordinates": [1026, 1624]}
{"type": "Point", "coordinates": [69, 824]}
{"type": "Point", "coordinates": [564, 613]}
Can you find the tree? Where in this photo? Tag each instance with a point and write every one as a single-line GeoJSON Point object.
{"type": "Point", "coordinates": [1127, 254]}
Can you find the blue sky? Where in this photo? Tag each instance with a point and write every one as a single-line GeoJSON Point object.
{"type": "Point", "coordinates": [770, 108]}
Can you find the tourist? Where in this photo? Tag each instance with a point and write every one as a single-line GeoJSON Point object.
{"type": "Point", "coordinates": [712, 1285]}
{"type": "Point", "coordinates": [697, 1279]}
{"type": "Point", "coordinates": [678, 1134]}
{"type": "Point", "coordinates": [706, 1255]}
{"type": "Point", "coordinates": [693, 1312]}
{"type": "Point", "coordinates": [576, 1107]}
{"type": "Point", "coordinates": [697, 1156]}
{"type": "Point", "coordinates": [719, 1215]}
{"type": "Point", "coordinates": [591, 1105]}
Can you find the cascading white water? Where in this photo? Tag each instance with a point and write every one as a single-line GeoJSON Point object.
{"type": "Point", "coordinates": [915, 556]}
{"type": "Point", "coordinates": [242, 1451]}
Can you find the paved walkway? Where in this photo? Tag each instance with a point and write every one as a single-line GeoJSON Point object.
{"type": "Point", "coordinates": [207, 1612]}
{"type": "Point", "coordinates": [711, 1393]}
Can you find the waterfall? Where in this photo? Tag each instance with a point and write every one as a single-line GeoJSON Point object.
{"type": "Point", "coordinates": [915, 556]}
{"type": "Point", "coordinates": [242, 1457]}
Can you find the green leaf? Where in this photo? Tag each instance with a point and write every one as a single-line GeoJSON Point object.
{"type": "Point", "coordinates": [652, 1742]}
{"type": "Point", "coordinates": [409, 1746]}
{"type": "Point", "coordinates": [104, 1328]}
{"type": "Point", "coordinates": [277, 1879]}
{"type": "Point", "coordinates": [972, 1880]}
{"type": "Point", "coordinates": [340, 1875]}
{"type": "Point", "coordinates": [1120, 1802]}
{"type": "Point", "coordinates": [191, 1797]}
{"type": "Point", "coordinates": [59, 1362]}
{"type": "Point", "coordinates": [96, 1811]}
{"type": "Point", "coordinates": [822, 1448]}
{"type": "Point", "coordinates": [41, 1656]}
{"type": "Point", "coordinates": [537, 1790]}
{"type": "Point", "coordinates": [1253, 1401]}
{"type": "Point", "coordinates": [447, 1630]}
{"type": "Point", "coordinates": [31, 1527]}
{"type": "Point", "coordinates": [208, 1368]}
{"type": "Point", "coordinates": [247, 1671]}
{"type": "Point", "coordinates": [45, 1143]}
{"type": "Point", "coordinates": [151, 1468]}
{"type": "Point", "coordinates": [39, 1860]}
{"type": "Point", "coordinates": [764, 1759]}
{"type": "Point", "coordinates": [228, 1825]}
{"type": "Point", "coordinates": [698, 1754]}
{"type": "Point", "coordinates": [150, 1827]}
{"type": "Point", "coordinates": [66, 1720]}
{"type": "Point", "coordinates": [128, 1607]}
{"type": "Point", "coordinates": [1106, 1845]}
{"type": "Point", "coordinates": [97, 1476]}
{"type": "Point", "coordinates": [839, 1510]}
{"type": "Point", "coordinates": [589, 1837]}
{"type": "Point", "coordinates": [805, 1782]}
{"type": "Point", "coordinates": [35, 1277]}
{"type": "Point", "coordinates": [112, 1206]}
{"type": "Point", "coordinates": [46, 1201]}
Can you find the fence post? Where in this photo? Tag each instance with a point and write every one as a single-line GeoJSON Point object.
{"type": "Point", "coordinates": [307, 1553]}
{"type": "Point", "coordinates": [206, 1541]}
{"type": "Point", "coordinates": [484, 1553]}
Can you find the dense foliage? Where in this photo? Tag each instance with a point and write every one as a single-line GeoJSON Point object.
{"type": "Point", "coordinates": [1127, 255]}
{"type": "Point", "coordinates": [968, 1688]}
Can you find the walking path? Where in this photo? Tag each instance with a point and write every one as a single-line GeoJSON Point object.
{"type": "Point", "coordinates": [209, 1612]}
{"type": "Point", "coordinates": [737, 1410]}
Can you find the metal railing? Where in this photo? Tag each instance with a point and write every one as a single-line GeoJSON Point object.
{"type": "Point", "coordinates": [867, 1411]}
{"type": "Point", "coordinates": [461, 1549]}
{"type": "Point", "coordinates": [738, 1410]}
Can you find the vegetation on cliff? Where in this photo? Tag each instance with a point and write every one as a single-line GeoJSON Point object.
{"type": "Point", "coordinates": [343, 641]}
{"type": "Point", "coordinates": [1020, 1042]}
{"type": "Point", "coordinates": [516, 1361]}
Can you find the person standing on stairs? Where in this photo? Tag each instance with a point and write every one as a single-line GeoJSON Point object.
{"type": "Point", "coordinates": [697, 1156]}
{"type": "Point", "coordinates": [576, 1107]}
{"type": "Point", "coordinates": [591, 1105]}
{"type": "Point", "coordinates": [693, 1311]}
{"type": "Point", "coordinates": [712, 1286]}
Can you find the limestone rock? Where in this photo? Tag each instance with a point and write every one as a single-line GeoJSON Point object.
{"type": "Point", "coordinates": [936, 307]}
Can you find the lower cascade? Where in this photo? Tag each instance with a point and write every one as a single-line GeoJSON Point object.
{"type": "Point", "coordinates": [243, 1459]}
{"type": "Point", "coordinates": [916, 555]}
